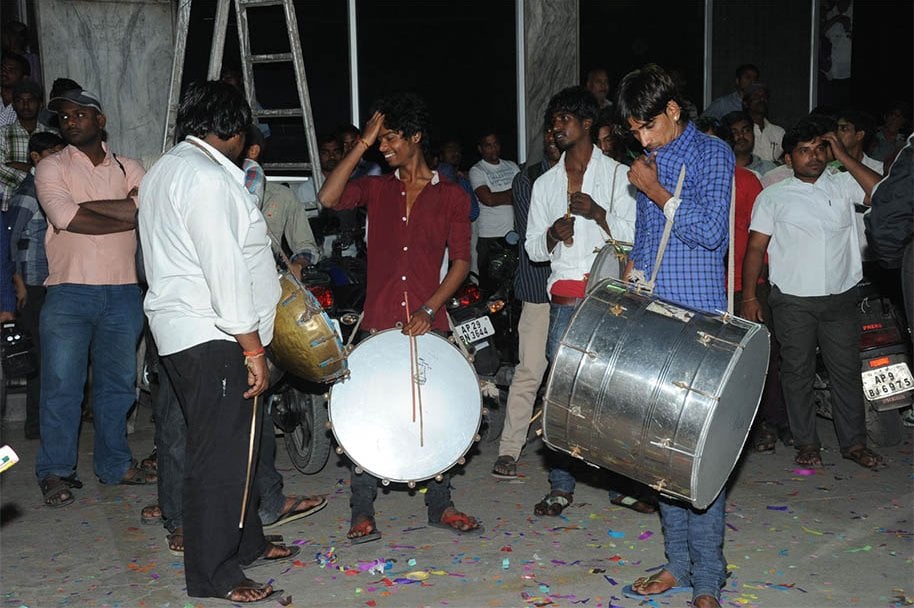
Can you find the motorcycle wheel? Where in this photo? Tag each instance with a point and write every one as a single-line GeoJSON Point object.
{"type": "Point", "coordinates": [884, 428]}
{"type": "Point", "coordinates": [308, 443]}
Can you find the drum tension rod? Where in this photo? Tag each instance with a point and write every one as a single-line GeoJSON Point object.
{"type": "Point", "coordinates": [705, 339]}
{"type": "Point", "coordinates": [589, 353]}
{"type": "Point", "coordinates": [667, 444]}
{"type": "Point", "coordinates": [683, 385]}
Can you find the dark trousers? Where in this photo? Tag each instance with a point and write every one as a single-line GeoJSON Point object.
{"type": "Point", "coordinates": [485, 249]}
{"type": "Point", "coordinates": [28, 321]}
{"type": "Point", "coordinates": [170, 438]}
{"type": "Point", "coordinates": [210, 379]}
{"type": "Point", "coordinates": [833, 324]}
{"type": "Point", "coordinates": [772, 409]}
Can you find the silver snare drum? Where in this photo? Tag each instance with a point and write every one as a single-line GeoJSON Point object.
{"type": "Point", "coordinates": [656, 392]}
{"type": "Point", "coordinates": [371, 411]}
{"type": "Point", "coordinates": [609, 263]}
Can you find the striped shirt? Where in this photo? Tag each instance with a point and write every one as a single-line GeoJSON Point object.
{"type": "Point", "coordinates": [28, 225]}
{"type": "Point", "coordinates": [692, 272]}
{"type": "Point", "coordinates": [14, 148]}
{"type": "Point", "coordinates": [530, 280]}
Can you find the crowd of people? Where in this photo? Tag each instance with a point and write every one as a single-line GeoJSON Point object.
{"type": "Point", "coordinates": [640, 166]}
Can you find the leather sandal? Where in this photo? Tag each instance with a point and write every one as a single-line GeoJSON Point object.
{"type": "Point", "coordinates": [863, 456]}
{"type": "Point", "coordinates": [553, 504]}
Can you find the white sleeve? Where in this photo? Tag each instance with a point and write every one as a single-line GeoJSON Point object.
{"type": "Point", "coordinates": [538, 222]}
{"type": "Point", "coordinates": [763, 214]}
{"type": "Point", "coordinates": [622, 208]}
{"type": "Point", "coordinates": [217, 224]}
{"type": "Point", "coordinates": [478, 177]}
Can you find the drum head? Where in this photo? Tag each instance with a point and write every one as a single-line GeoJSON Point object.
{"type": "Point", "coordinates": [371, 411]}
{"type": "Point", "coordinates": [609, 263]}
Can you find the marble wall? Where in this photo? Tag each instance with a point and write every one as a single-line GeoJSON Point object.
{"type": "Point", "coordinates": [120, 50]}
{"type": "Point", "coordinates": [552, 61]}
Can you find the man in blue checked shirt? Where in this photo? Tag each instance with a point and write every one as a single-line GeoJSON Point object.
{"type": "Point", "coordinates": [691, 274]}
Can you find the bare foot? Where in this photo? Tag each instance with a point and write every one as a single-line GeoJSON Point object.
{"type": "Point", "coordinates": [457, 520]}
{"type": "Point", "coordinates": [654, 584]}
{"type": "Point", "coordinates": [244, 594]}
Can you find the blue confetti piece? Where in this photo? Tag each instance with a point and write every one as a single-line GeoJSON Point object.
{"type": "Point", "coordinates": [614, 534]}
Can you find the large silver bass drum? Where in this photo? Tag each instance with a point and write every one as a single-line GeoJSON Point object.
{"type": "Point", "coordinates": [372, 410]}
{"type": "Point", "coordinates": [609, 264]}
{"type": "Point", "coordinates": [656, 392]}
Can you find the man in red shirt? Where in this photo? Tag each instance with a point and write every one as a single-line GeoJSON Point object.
{"type": "Point", "coordinates": [412, 217]}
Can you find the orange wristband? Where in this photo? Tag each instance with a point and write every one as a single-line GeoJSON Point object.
{"type": "Point", "coordinates": [252, 353]}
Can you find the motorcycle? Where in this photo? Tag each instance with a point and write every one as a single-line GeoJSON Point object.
{"type": "Point", "coordinates": [885, 367]}
{"type": "Point", "coordinates": [486, 325]}
{"type": "Point", "coordinates": [299, 407]}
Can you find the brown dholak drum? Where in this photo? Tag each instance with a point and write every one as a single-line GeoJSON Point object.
{"type": "Point", "coordinates": [656, 392]}
{"type": "Point", "coordinates": [371, 411]}
{"type": "Point", "coordinates": [609, 263]}
{"type": "Point", "coordinates": [305, 342]}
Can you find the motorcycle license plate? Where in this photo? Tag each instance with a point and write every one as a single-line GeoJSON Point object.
{"type": "Point", "coordinates": [477, 329]}
{"type": "Point", "coordinates": [887, 381]}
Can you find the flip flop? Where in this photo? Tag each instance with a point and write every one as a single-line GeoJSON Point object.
{"type": "Point", "coordinates": [249, 584]}
{"type": "Point", "coordinates": [471, 532]}
{"type": "Point", "coordinates": [365, 538]}
{"type": "Point", "coordinates": [297, 514]}
{"type": "Point", "coordinates": [294, 550]}
{"type": "Point", "coordinates": [629, 592]}
{"type": "Point", "coordinates": [505, 467]}
{"type": "Point", "coordinates": [146, 515]}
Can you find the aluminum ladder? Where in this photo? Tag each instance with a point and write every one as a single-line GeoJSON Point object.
{"type": "Point", "coordinates": [248, 60]}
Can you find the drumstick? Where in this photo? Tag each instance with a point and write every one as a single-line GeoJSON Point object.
{"type": "Point", "coordinates": [247, 476]}
{"type": "Point", "coordinates": [416, 388]}
{"type": "Point", "coordinates": [412, 358]}
{"type": "Point", "coordinates": [568, 242]}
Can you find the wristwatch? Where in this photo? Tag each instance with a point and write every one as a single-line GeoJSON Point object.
{"type": "Point", "coordinates": [428, 310]}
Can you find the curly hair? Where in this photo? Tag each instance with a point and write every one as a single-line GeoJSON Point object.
{"type": "Point", "coordinates": [406, 113]}
{"type": "Point", "coordinates": [577, 100]}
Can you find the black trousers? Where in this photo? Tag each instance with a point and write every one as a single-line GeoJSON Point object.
{"type": "Point", "coordinates": [833, 324]}
{"type": "Point", "coordinates": [210, 379]}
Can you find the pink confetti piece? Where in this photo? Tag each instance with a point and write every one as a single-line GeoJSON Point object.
{"type": "Point", "coordinates": [804, 472]}
{"type": "Point", "coordinates": [645, 535]}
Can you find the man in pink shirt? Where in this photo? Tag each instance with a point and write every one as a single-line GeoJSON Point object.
{"type": "Point", "coordinates": [93, 308]}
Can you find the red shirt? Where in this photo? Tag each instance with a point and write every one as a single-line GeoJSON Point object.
{"type": "Point", "coordinates": [406, 256]}
{"type": "Point", "coordinates": [748, 187]}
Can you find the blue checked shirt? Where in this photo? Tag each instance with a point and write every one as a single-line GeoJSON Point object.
{"type": "Point", "coordinates": [531, 278]}
{"type": "Point", "coordinates": [692, 272]}
{"type": "Point", "coordinates": [27, 225]}
{"type": "Point", "coordinates": [14, 147]}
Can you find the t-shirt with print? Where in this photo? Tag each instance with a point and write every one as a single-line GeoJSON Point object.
{"type": "Point", "coordinates": [494, 221]}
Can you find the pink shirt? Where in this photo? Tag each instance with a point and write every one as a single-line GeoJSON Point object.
{"type": "Point", "coordinates": [66, 179]}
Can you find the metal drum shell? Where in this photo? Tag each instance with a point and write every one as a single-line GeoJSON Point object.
{"type": "Point", "coordinates": [371, 409]}
{"type": "Point", "coordinates": [666, 401]}
{"type": "Point", "coordinates": [305, 342]}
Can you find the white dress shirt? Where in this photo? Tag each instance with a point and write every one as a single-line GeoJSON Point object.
{"type": "Point", "coordinates": [813, 249]}
{"type": "Point", "coordinates": [768, 141]}
{"type": "Point", "coordinates": [606, 181]}
{"type": "Point", "coordinates": [206, 251]}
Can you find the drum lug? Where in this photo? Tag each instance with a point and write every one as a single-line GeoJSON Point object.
{"type": "Point", "coordinates": [485, 411]}
{"type": "Point", "coordinates": [411, 485]}
{"type": "Point", "coordinates": [660, 486]}
{"type": "Point", "coordinates": [461, 461]}
{"type": "Point", "coordinates": [667, 444]}
{"type": "Point", "coordinates": [477, 438]}
{"type": "Point", "coordinates": [385, 482]}
{"type": "Point", "coordinates": [358, 470]}
{"type": "Point", "coordinates": [339, 450]}
{"type": "Point", "coordinates": [684, 386]}
{"type": "Point", "coordinates": [439, 477]}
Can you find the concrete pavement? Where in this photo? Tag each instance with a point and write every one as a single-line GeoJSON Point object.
{"type": "Point", "coordinates": [838, 537]}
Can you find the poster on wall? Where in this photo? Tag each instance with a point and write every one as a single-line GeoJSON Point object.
{"type": "Point", "coordinates": [835, 45]}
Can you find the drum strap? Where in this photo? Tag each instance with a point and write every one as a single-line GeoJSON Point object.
{"type": "Point", "coordinates": [665, 239]}
{"type": "Point", "coordinates": [731, 256]}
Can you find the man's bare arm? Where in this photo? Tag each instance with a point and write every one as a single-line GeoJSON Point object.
{"type": "Point", "coordinates": [123, 210]}
{"type": "Point", "coordinates": [87, 221]}
{"type": "Point", "coordinates": [493, 199]}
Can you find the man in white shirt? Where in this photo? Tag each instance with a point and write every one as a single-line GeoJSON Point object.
{"type": "Point", "coordinates": [211, 304]}
{"type": "Point", "coordinates": [576, 207]}
{"type": "Point", "coordinates": [491, 179]}
{"type": "Point", "coordinates": [806, 224]}
{"type": "Point", "coordinates": [768, 135]}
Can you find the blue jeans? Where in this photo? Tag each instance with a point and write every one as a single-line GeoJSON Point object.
{"type": "Point", "coordinates": [694, 545]}
{"type": "Point", "coordinates": [80, 324]}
